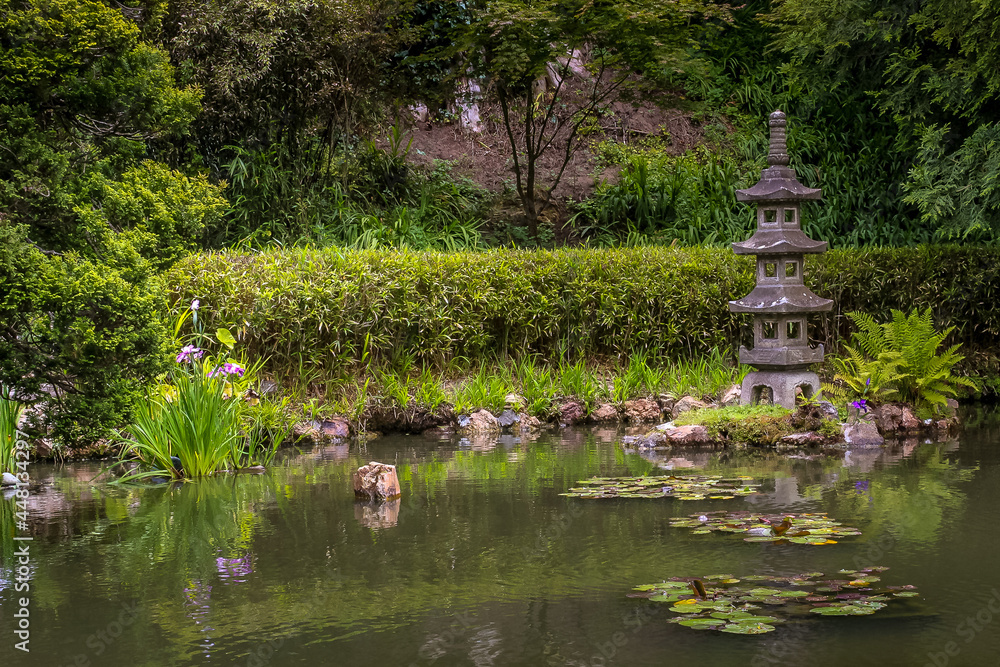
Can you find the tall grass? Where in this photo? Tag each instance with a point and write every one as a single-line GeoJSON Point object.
{"type": "Point", "coordinates": [11, 412]}
{"type": "Point", "coordinates": [542, 384]}
{"type": "Point", "coordinates": [487, 387]}
{"type": "Point", "coordinates": [369, 198]}
{"type": "Point", "coordinates": [536, 383]}
{"type": "Point", "coordinates": [660, 198]}
{"type": "Point", "coordinates": [199, 424]}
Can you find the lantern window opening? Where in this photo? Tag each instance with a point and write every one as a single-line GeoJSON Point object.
{"type": "Point", "coordinates": [791, 268]}
{"type": "Point", "coordinates": [770, 216]}
{"type": "Point", "coordinates": [769, 330]}
{"type": "Point", "coordinates": [792, 330]}
{"type": "Point", "coordinates": [770, 270]}
{"type": "Point", "coordinates": [790, 216]}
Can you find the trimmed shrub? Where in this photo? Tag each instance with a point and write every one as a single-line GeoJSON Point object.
{"type": "Point", "coordinates": [328, 309]}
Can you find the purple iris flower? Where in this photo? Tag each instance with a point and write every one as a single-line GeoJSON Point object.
{"type": "Point", "coordinates": [189, 353]}
{"type": "Point", "coordinates": [861, 405]}
{"type": "Point", "coordinates": [228, 368]}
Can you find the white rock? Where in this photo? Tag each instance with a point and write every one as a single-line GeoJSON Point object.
{"type": "Point", "coordinates": [8, 480]}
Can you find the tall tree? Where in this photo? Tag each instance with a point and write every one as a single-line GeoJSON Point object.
{"type": "Point", "coordinates": [933, 66]}
{"type": "Point", "coordinates": [282, 72]}
{"type": "Point", "coordinates": [511, 44]}
{"type": "Point", "coordinates": [85, 218]}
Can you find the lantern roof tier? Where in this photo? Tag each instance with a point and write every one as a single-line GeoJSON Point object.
{"type": "Point", "coordinates": [778, 242]}
{"type": "Point", "coordinates": [781, 299]}
{"type": "Point", "coordinates": [778, 182]}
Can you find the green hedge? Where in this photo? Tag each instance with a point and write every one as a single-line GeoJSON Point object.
{"type": "Point", "coordinates": [320, 309]}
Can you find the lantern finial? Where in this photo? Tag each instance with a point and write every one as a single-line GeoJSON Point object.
{"type": "Point", "coordinates": [778, 154]}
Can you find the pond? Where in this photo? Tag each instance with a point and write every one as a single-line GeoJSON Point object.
{"type": "Point", "coordinates": [483, 562]}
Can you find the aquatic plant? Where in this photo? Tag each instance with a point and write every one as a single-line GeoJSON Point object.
{"type": "Point", "coordinates": [729, 604]}
{"type": "Point", "coordinates": [205, 412]}
{"type": "Point", "coordinates": [814, 529]}
{"type": "Point", "coordinates": [682, 487]}
{"type": "Point", "coordinates": [196, 420]}
{"type": "Point", "coordinates": [11, 411]}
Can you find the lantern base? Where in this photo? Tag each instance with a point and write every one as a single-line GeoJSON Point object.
{"type": "Point", "coordinates": [782, 385]}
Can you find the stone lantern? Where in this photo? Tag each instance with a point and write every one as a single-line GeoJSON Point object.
{"type": "Point", "coordinates": [780, 301]}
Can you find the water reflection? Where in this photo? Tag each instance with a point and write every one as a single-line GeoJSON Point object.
{"type": "Point", "coordinates": [226, 563]}
{"type": "Point", "coordinates": [377, 515]}
{"type": "Point", "coordinates": [234, 570]}
{"type": "Point", "coordinates": [198, 607]}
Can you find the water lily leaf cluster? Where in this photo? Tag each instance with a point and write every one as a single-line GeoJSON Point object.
{"type": "Point", "coordinates": [756, 604]}
{"type": "Point", "coordinates": [682, 487]}
{"type": "Point", "coordinates": [814, 529]}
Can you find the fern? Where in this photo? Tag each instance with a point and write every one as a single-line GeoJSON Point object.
{"type": "Point", "coordinates": [871, 378]}
{"type": "Point", "coordinates": [899, 359]}
{"type": "Point", "coordinates": [870, 336]}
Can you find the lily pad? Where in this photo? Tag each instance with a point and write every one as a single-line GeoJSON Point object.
{"type": "Point", "coordinates": [793, 594]}
{"type": "Point", "coordinates": [811, 529]}
{"type": "Point", "coordinates": [701, 623]}
{"type": "Point", "coordinates": [846, 610]}
{"type": "Point", "coordinates": [747, 628]}
{"type": "Point", "coordinates": [727, 606]}
{"type": "Point", "coordinates": [682, 487]}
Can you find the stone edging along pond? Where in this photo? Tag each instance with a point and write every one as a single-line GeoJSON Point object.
{"type": "Point", "coordinates": [656, 422]}
{"type": "Point", "coordinates": [692, 422]}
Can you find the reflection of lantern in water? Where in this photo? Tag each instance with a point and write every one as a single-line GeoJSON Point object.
{"type": "Point", "coordinates": [197, 597]}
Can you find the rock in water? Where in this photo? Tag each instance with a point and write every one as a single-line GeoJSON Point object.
{"type": "Point", "coordinates": [376, 481]}
{"type": "Point", "coordinates": [8, 480]}
{"type": "Point", "coordinates": [863, 434]}
{"type": "Point", "coordinates": [508, 418]}
{"type": "Point", "coordinates": [642, 410]}
{"type": "Point", "coordinates": [605, 413]}
{"type": "Point", "coordinates": [571, 412]}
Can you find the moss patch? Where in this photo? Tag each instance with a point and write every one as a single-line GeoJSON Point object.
{"type": "Point", "coordinates": [752, 424]}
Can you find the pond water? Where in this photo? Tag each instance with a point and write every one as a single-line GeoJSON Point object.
{"type": "Point", "coordinates": [482, 562]}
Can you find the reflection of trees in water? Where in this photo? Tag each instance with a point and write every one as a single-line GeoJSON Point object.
{"type": "Point", "coordinates": [197, 603]}
{"type": "Point", "coordinates": [7, 528]}
{"type": "Point", "coordinates": [256, 555]}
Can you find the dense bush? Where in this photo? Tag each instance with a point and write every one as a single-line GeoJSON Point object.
{"type": "Point", "coordinates": [82, 335]}
{"type": "Point", "coordinates": [86, 219]}
{"type": "Point", "coordinates": [325, 307]}
{"type": "Point", "coordinates": [325, 310]}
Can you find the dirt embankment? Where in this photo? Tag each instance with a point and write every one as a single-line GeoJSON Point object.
{"type": "Point", "coordinates": [485, 156]}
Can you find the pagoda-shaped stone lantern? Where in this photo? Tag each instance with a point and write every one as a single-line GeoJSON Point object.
{"type": "Point", "coordinates": [780, 302]}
